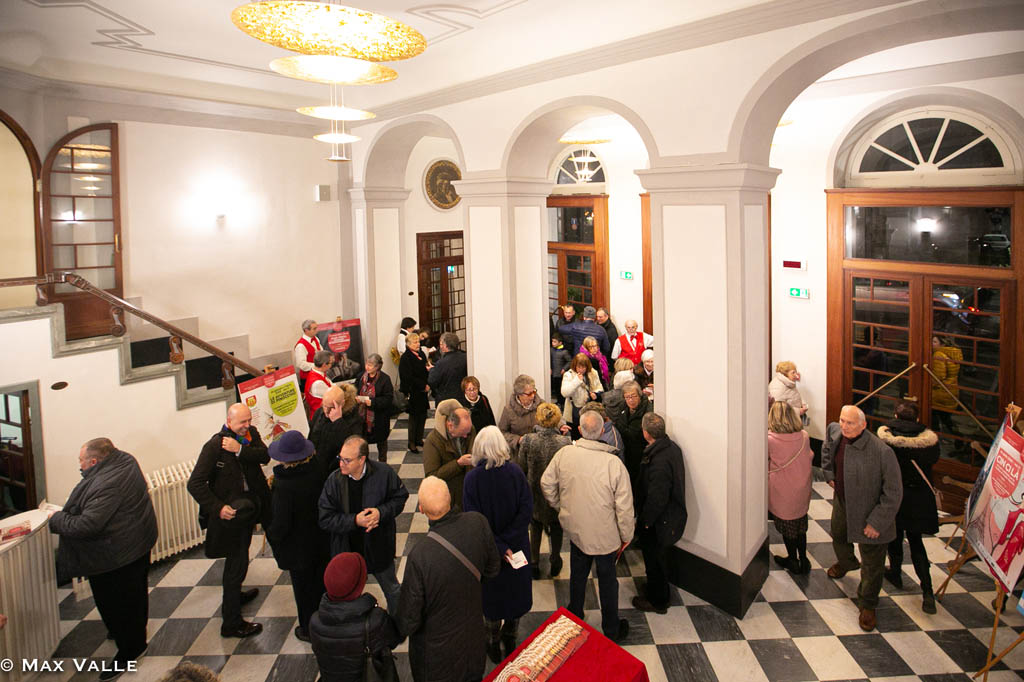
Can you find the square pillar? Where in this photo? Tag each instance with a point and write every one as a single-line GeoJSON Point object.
{"type": "Point", "coordinates": [710, 267]}
{"type": "Point", "coordinates": [506, 278]}
{"type": "Point", "coordinates": [378, 215]}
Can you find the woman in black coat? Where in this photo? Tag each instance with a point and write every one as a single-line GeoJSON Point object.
{"type": "Point", "coordinates": [477, 403]}
{"type": "Point", "coordinates": [913, 443]}
{"type": "Point", "coordinates": [300, 546]}
{"type": "Point", "coordinates": [412, 377]}
{"type": "Point", "coordinates": [629, 424]}
{"type": "Point", "coordinates": [376, 395]}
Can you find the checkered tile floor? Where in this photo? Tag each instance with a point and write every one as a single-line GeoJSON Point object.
{"type": "Point", "coordinates": [800, 627]}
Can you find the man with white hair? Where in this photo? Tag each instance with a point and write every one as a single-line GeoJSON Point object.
{"type": "Point", "coordinates": [441, 607]}
{"type": "Point", "coordinates": [632, 344]}
{"type": "Point", "coordinates": [305, 350]}
{"type": "Point", "coordinates": [589, 486]}
{"type": "Point", "coordinates": [868, 487]}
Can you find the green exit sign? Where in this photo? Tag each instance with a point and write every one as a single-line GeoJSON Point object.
{"type": "Point", "coordinates": [797, 292]}
{"type": "Point", "coordinates": [625, 274]}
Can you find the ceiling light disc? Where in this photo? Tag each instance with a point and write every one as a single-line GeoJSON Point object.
{"type": "Point", "coordinates": [331, 69]}
{"type": "Point", "coordinates": [336, 113]}
{"type": "Point", "coordinates": [337, 138]}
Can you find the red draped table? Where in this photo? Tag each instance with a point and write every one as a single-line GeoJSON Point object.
{"type": "Point", "coordinates": [598, 660]}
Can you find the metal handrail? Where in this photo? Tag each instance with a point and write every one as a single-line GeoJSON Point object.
{"type": "Point", "coordinates": [119, 305]}
{"type": "Point", "coordinates": [962, 406]}
{"type": "Point", "coordinates": [912, 366]}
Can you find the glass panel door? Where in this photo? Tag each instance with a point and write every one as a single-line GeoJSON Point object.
{"type": "Point", "coordinates": [442, 284]}
{"type": "Point", "coordinates": [17, 480]}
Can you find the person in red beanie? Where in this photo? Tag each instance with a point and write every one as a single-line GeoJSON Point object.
{"type": "Point", "coordinates": [347, 618]}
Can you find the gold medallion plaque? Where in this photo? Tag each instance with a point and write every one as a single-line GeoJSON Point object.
{"type": "Point", "coordinates": [438, 183]}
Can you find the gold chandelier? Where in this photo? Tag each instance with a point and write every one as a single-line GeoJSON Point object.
{"type": "Point", "coordinates": [583, 157]}
{"type": "Point", "coordinates": [325, 28]}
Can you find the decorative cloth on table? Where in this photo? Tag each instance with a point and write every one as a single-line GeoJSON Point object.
{"type": "Point", "coordinates": [546, 653]}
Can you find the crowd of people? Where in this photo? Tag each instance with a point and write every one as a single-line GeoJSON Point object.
{"type": "Point", "coordinates": [593, 465]}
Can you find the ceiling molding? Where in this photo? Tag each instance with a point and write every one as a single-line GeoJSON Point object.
{"type": "Point", "coordinates": [720, 28]}
{"type": "Point", "coordinates": [122, 35]}
{"type": "Point", "coordinates": [437, 14]}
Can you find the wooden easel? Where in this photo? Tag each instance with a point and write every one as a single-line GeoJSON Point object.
{"type": "Point", "coordinates": [990, 661]}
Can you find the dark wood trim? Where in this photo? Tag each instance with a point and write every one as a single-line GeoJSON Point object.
{"type": "Point", "coordinates": [36, 167]}
{"type": "Point", "coordinates": [647, 273]}
{"type": "Point", "coordinates": [598, 203]}
{"type": "Point", "coordinates": [423, 266]}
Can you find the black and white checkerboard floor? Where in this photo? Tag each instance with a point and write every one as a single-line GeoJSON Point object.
{"type": "Point", "coordinates": [800, 627]}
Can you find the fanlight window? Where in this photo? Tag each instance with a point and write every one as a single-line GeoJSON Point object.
{"type": "Point", "coordinates": [932, 148]}
{"type": "Point", "coordinates": [579, 167]}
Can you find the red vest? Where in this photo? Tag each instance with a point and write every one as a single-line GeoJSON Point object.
{"type": "Point", "coordinates": [313, 402]}
{"type": "Point", "coordinates": [310, 352]}
{"type": "Point", "coordinates": [626, 350]}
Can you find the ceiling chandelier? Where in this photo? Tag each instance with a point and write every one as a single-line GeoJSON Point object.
{"type": "Point", "coordinates": [339, 45]}
{"type": "Point", "coordinates": [583, 158]}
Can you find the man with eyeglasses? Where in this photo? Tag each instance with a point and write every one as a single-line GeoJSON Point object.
{"type": "Point", "coordinates": [358, 507]}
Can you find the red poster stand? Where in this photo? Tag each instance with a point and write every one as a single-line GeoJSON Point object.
{"type": "Point", "coordinates": [598, 660]}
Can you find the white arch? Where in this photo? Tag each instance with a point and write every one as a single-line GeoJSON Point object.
{"type": "Point", "coordinates": [999, 113]}
{"type": "Point", "coordinates": [754, 126]}
{"type": "Point", "coordinates": [534, 142]}
{"type": "Point", "coordinates": [387, 155]}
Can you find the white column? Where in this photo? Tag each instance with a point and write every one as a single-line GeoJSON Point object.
{"type": "Point", "coordinates": [710, 269]}
{"type": "Point", "coordinates": [506, 278]}
{"type": "Point", "coordinates": [377, 218]}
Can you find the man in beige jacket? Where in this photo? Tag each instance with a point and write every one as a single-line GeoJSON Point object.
{"type": "Point", "coordinates": [589, 486]}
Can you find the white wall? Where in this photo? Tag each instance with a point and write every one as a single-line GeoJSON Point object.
{"type": "Point", "coordinates": [140, 418]}
{"type": "Point", "coordinates": [17, 226]}
{"type": "Point", "coordinates": [422, 216]}
{"type": "Point", "coordinates": [271, 262]}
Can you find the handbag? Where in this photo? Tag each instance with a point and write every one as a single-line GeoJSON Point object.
{"type": "Point", "coordinates": [399, 403]}
{"type": "Point", "coordinates": [939, 498]}
{"type": "Point", "coordinates": [380, 668]}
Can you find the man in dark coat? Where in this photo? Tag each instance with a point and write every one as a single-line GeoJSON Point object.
{"type": "Point", "coordinates": [574, 333]}
{"type": "Point", "coordinates": [445, 379]}
{"type": "Point", "coordinates": [441, 609]}
{"type": "Point", "coordinates": [866, 477]}
{"type": "Point", "coordinates": [358, 507]}
{"type": "Point", "coordinates": [660, 509]}
{"type": "Point", "coordinates": [107, 529]}
{"type": "Point", "coordinates": [233, 496]}
{"type": "Point", "coordinates": [605, 322]}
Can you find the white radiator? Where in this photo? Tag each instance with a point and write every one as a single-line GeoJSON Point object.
{"type": "Point", "coordinates": [176, 512]}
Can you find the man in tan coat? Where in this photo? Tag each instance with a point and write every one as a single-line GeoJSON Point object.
{"type": "Point", "coordinates": [589, 486]}
{"type": "Point", "coordinates": [447, 449]}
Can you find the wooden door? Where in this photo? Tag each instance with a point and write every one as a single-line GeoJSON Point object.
{"type": "Point", "coordinates": [17, 466]}
{"type": "Point", "coordinates": [82, 225]}
{"type": "Point", "coordinates": [577, 251]}
{"type": "Point", "coordinates": [442, 284]}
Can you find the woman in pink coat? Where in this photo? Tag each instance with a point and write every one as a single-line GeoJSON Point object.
{"type": "Point", "coordinates": [789, 483]}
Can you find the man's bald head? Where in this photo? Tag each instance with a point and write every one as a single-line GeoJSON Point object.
{"type": "Point", "coordinates": [435, 498]}
{"type": "Point", "coordinates": [239, 419]}
{"type": "Point", "coordinates": [332, 396]}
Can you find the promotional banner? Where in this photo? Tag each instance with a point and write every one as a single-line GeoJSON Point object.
{"type": "Point", "coordinates": [345, 339]}
{"type": "Point", "coordinates": [276, 404]}
{"type": "Point", "coordinates": [996, 508]}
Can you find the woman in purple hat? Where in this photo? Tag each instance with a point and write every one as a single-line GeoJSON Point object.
{"type": "Point", "coordinates": [299, 545]}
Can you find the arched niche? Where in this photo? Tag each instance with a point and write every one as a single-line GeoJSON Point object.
{"type": "Point", "coordinates": [19, 206]}
{"type": "Point", "coordinates": [755, 123]}
{"type": "Point", "coordinates": [388, 153]}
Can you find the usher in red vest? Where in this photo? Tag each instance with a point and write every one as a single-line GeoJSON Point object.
{"type": "Point", "coordinates": [310, 352]}
{"type": "Point", "coordinates": [313, 402]}
{"type": "Point", "coordinates": [627, 350]}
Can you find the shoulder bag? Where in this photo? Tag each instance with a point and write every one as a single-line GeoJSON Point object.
{"type": "Point", "coordinates": [939, 499]}
{"type": "Point", "coordinates": [455, 552]}
{"type": "Point", "coordinates": [379, 668]}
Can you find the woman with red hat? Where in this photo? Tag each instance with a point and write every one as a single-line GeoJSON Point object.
{"type": "Point", "coordinates": [349, 622]}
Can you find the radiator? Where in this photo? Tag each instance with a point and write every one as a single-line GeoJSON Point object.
{"type": "Point", "coordinates": [176, 512]}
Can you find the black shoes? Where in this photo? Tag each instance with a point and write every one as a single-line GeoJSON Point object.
{"type": "Point", "coordinates": [246, 629]}
{"type": "Point", "coordinates": [928, 601]}
{"type": "Point", "coordinates": [623, 631]}
{"type": "Point", "coordinates": [301, 634]}
{"type": "Point", "coordinates": [644, 605]}
{"type": "Point", "coordinates": [116, 667]}
{"type": "Point", "coordinates": [249, 595]}
{"type": "Point", "coordinates": [508, 645]}
{"type": "Point", "coordinates": [788, 563]}
{"type": "Point", "coordinates": [895, 576]}
{"type": "Point", "coordinates": [494, 651]}
{"type": "Point", "coordinates": [556, 566]}
{"type": "Point", "coordinates": [535, 571]}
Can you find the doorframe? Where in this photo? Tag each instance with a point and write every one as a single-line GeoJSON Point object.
{"type": "Point", "coordinates": [36, 166]}
{"type": "Point", "coordinates": [422, 237]}
{"type": "Point", "coordinates": [36, 429]}
{"type": "Point", "coordinates": [837, 264]}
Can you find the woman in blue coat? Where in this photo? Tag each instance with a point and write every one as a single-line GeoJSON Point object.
{"type": "Point", "coordinates": [497, 488]}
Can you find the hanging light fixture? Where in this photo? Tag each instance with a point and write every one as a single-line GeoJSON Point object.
{"type": "Point", "coordinates": [324, 68]}
{"type": "Point", "coordinates": [583, 158]}
{"type": "Point", "coordinates": [329, 29]}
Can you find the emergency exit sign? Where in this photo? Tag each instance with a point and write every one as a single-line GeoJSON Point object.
{"type": "Point", "coordinates": [625, 274]}
{"type": "Point", "coordinates": [797, 292]}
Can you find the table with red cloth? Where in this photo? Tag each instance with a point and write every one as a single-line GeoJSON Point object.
{"type": "Point", "coordinates": [598, 660]}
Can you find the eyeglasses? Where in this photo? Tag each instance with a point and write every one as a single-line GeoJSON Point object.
{"type": "Point", "coordinates": [350, 461]}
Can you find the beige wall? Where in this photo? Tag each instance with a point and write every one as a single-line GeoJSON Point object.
{"type": "Point", "coordinates": [17, 227]}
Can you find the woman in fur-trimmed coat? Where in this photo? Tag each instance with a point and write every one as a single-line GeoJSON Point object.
{"type": "Point", "coordinates": [913, 443]}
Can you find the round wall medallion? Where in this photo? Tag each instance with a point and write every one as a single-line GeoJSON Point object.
{"type": "Point", "coordinates": [438, 183]}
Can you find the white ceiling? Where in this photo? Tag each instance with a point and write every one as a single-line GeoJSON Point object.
{"type": "Point", "coordinates": [191, 48]}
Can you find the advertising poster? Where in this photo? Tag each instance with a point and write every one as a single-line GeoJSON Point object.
{"type": "Point", "coordinates": [276, 404]}
{"type": "Point", "coordinates": [345, 339]}
{"type": "Point", "coordinates": [996, 508]}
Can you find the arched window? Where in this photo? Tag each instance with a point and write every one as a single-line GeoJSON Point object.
{"type": "Point", "coordinates": [580, 166]}
{"type": "Point", "coordinates": [931, 147]}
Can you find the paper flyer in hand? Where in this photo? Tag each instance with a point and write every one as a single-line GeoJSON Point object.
{"type": "Point", "coordinates": [276, 404]}
{"type": "Point", "coordinates": [995, 527]}
{"type": "Point", "coordinates": [518, 559]}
